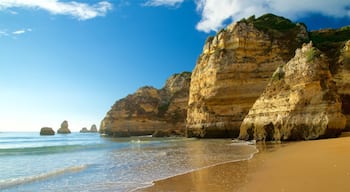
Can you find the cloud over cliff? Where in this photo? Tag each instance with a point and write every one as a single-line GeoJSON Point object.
{"type": "Point", "coordinates": [214, 13]}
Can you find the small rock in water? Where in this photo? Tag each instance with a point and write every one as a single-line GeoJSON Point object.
{"type": "Point", "coordinates": [47, 131]}
{"type": "Point", "coordinates": [93, 128]}
{"type": "Point", "coordinates": [64, 128]}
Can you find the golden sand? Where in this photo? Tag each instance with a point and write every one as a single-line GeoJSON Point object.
{"type": "Point", "coordinates": [321, 165]}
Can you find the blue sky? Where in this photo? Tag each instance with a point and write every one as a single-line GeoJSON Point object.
{"type": "Point", "coordinates": [64, 60]}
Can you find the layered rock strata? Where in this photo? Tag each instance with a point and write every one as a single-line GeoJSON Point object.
{"type": "Point", "coordinates": [150, 110]}
{"type": "Point", "coordinates": [233, 71]}
{"type": "Point", "coordinates": [300, 102]}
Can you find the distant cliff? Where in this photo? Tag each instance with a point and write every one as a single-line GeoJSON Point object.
{"type": "Point", "coordinates": [233, 70]}
{"type": "Point", "coordinates": [151, 111]}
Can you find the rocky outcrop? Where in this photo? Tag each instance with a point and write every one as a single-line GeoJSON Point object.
{"type": "Point", "coordinates": [47, 131]}
{"type": "Point", "coordinates": [299, 103]}
{"type": "Point", "coordinates": [149, 110]}
{"type": "Point", "coordinates": [342, 79]}
{"type": "Point", "coordinates": [84, 130]}
{"type": "Point", "coordinates": [64, 128]}
{"type": "Point", "coordinates": [93, 129]}
{"type": "Point", "coordinates": [234, 69]}
{"type": "Point", "coordinates": [335, 44]}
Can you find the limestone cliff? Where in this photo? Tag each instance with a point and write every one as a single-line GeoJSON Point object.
{"type": "Point", "coordinates": [342, 79]}
{"type": "Point", "coordinates": [300, 102]}
{"type": "Point", "coordinates": [335, 44]}
{"type": "Point", "coordinates": [234, 69]}
{"type": "Point", "coordinates": [150, 110]}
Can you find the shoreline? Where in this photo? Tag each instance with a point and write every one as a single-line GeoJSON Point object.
{"type": "Point", "coordinates": [317, 165]}
{"type": "Point", "coordinates": [153, 183]}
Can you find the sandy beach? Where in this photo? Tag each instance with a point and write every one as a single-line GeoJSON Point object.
{"type": "Point", "coordinates": [320, 165]}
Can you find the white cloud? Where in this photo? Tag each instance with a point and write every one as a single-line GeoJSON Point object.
{"type": "Point", "coordinates": [19, 32]}
{"type": "Point", "coordinates": [14, 34]}
{"type": "Point", "coordinates": [81, 11]}
{"type": "Point", "coordinates": [156, 3]}
{"type": "Point", "coordinates": [215, 12]}
{"type": "Point", "coordinates": [3, 33]}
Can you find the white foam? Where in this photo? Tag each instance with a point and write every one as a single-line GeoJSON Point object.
{"type": "Point", "coordinates": [201, 168]}
{"type": "Point", "coordinates": [22, 180]}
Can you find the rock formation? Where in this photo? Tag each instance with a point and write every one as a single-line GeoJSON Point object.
{"type": "Point", "coordinates": [342, 79]}
{"type": "Point", "coordinates": [93, 129]}
{"type": "Point", "coordinates": [250, 66]}
{"type": "Point", "coordinates": [234, 69]}
{"type": "Point", "coordinates": [47, 131]}
{"type": "Point", "coordinates": [84, 130]}
{"type": "Point", "coordinates": [150, 109]}
{"type": "Point", "coordinates": [64, 128]}
{"type": "Point", "coordinates": [336, 45]}
{"type": "Point", "coordinates": [300, 102]}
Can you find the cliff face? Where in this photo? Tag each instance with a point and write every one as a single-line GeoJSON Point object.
{"type": "Point", "coordinates": [342, 79]}
{"type": "Point", "coordinates": [233, 71]}
{"type": "Point", "coordinates": [150, 110]}
{"type": "Point", "coordinates": [300, 102]}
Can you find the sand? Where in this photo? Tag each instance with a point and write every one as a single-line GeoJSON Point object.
{"type": "Point", "coordinates": [321, 165]}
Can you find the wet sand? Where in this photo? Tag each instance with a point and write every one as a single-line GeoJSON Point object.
{"type": "Point", "coordinates": [321, 165]}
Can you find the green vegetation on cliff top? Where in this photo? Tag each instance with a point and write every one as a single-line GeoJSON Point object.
{"type": "Point", "coordinates": [270, 22]}
{"type": "Point", "coordinates": [330, 35]}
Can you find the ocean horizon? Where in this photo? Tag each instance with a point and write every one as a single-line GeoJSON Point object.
{"type": "Point", "coordinates": [89, 162]}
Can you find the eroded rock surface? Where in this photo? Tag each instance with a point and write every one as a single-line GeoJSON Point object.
{"type": "Point", "coordinates": [299, 103]}
{"type": "Point", "coordinates": [149, 110]}
{"type": "Point", "coordinates": [234, 69]}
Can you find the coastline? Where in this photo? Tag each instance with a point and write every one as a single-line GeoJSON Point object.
{"type": "Point", "coordinates": [318, 165]}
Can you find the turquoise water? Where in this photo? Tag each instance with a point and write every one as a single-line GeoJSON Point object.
{"type": "Point", "coordinates": [89, 162]}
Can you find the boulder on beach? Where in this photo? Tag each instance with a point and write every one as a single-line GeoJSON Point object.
{"type": "Point", "coordinates": [64, 128]}
{"type": "Point", "coordinates": [47, 131]}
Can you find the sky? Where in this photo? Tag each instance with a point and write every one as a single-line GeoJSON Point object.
{"type": "Point", "coordinates": [72, 60]}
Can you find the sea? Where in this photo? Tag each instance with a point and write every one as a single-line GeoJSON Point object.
{"type": "Point", "coordinates": [90, 162]}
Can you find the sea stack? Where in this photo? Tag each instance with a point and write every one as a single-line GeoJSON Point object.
{"type": "Point", "coordinates": [64, 128]}
{"type": "Point", "coordinates": [93, 129]}
{"type": "Point", "coordinates": [84, 130]}
{"type": "Point", "coordinates": [47, 131]}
